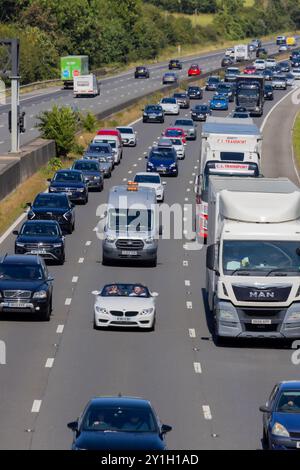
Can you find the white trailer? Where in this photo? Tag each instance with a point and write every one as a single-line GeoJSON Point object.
{"type": "Point", "coordinates": [253, 257]}
{"type": "Point", "coordinates": [241, 52]}
{"type": "Point", "coordinates": [86, 85]}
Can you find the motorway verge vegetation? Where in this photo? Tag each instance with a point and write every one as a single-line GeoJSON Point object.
{"type": "Point", "coordinates": [296, 140]}
{"type": "Point", "coordinates": [114, 32]}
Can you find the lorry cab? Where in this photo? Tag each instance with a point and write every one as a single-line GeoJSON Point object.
{"type": "Point", "coordinates": [131, 228]}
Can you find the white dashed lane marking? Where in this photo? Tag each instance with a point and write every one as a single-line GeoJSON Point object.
{"type": "Point", "coordinates": [68, 301]}
{"type": "Point", "coordinates": [185, 263]}
{"type": "Point", "coordinates": [206, 412]}
{"type": "Point", "coordinates": [192, 333]}
{"type": "Point", "coordinates": [197, 368]}
{"type": "Point", "coordinates": [187, 283]}
{"type": "Point", "coordinates": [36, 406]}
{"type": "Point", "coordinates": [49, 363]}
{"type": "Point", "coordinates": [74, 279]}
{"type": "Point", "coordinates": [60, 329]}
{"type": "Point", "coordinates": [189, 305]}
{"type": "Point", "coordinates": [88, 243]}
{"type": "Point", "coordinates": [81, 260]}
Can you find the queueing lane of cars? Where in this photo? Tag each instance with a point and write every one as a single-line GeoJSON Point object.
{"type": "Point", "coordinates": [64, 288]}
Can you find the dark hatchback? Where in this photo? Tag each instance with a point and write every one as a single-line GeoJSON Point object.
{"type": "Point", "coordinates": [25, 286]}
{"type": "Point", "coordinates": [119, 423]}
{"type": "Point", "coordinates": [175, 64]}
{"type": "Point", "coordinates": [227, 60]}
{"type": "Point", "coordinates": [92, 173]}
{"type": "Point", "coordinates": [53, 207]}
{"type": "Point", "coordinates": [212, 83]}
{"type": "Point", "coordinates": [163, 160]}
{"type": "Point", "coordinates": [284, 66]}
{"type": "Point", "coordinates": [153, 113]}
{"type": "Point", "coordinates": [141, 72]}
{"type": "Point", "coordinates": [200, 112]}
{"type": "Point", "coordinates": [71, 182]}
{"type": "Point", "coordinates": [281, 417]}
{"type": "Point", "coordinates": [194, 93]}
{"type": "Point", "coordinates": [226, 89]}
{"type": "Point", "coordinates": [43, 238]}
{"type": "Point", "coordinates": [268, 92]}
{"type": "Point", "coordinates": [182, 99]}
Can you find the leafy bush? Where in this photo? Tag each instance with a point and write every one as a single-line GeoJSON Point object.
{"type": "Point", "coordinates": [61, 125]}
{"type": "Point", "coordinates": [89, 122]}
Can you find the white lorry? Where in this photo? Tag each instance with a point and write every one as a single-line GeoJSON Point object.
{"type": "Point", "coordinates": [86, 85]}
{"type": "Point", "coordinates": [241, 53]}
{"type": "Point", "coordinates": [253, 257]}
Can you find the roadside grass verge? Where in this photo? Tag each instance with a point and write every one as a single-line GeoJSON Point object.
{"type": "Point", "coordinates": [296, 140]}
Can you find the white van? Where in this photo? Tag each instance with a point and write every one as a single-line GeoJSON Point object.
{"type": "Point", "coordinates": [86, 85]}
{"type": "Point", "coordinates": [115, 144]}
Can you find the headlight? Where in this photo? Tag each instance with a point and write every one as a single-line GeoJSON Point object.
{"type": "Point", "coordinates": [41, 294]}
{"type": "Point", "coordinates": [147, 311]}
{"type": "Point", "coordinates": [279, 430]}
{"type": "Point", "coordinates": [150, 164]}
{"type": "Point", "coordinates": [226, 315]}
{"type": "Point", "coordinates": [101, 310]}
{"type": "Point", "coordinates": [67, 215]}
{"type": "Point", "coordinates": [293, 317]}
{"type": "Point", "coordinates": [21, 245]}
{"type": "Point", "coordinates": [149, 240]}
{"type": "Point", "coordinates": [96, 178]}
{"type": "Point", "coordinates": [110, 239]}
{"type": "Point", "coordinates": [57, 245]}
{"type": "Point", "coordinates": [172, 165]}
{"type": "Point", "coordinates": [31, 215]}
{"type": "Point", "coordinates": [81, 190]}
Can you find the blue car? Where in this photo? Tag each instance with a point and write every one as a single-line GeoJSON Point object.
{"type": "Point", "coordinates": [163, 160]}
{"type": "Point", "coordinates": [119, 423]}
{"type": "Point", "coordinates": [219, 102]}
{"type": "Point", "coordinates": [71, 182]}
{"type": "Point", "coordinates": [281, 417]}
{"type": "Point", "coordinates": [91, 170]}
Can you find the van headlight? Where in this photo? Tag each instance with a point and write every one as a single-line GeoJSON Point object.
{"type": "Point", "coordinates": [110, 239]}
{"type": "Point", "coordinates": [279, 430]}
{"type": "Point", "coordinates": [149, 240]}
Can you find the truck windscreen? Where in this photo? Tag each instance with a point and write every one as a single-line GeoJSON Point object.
{"type": "Point", "coordinates": [232, 156]}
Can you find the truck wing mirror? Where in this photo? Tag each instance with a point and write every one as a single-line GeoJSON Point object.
{"type": "Point", "coordinates": [210, 257]}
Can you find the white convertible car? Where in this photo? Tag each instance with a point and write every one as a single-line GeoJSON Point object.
{"type": "Point", "coordinates": [124, 305]}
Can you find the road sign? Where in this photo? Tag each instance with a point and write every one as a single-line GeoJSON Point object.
{"type": "Point", "coordinates": [66, 73]}
{"type": "Point", "coordinates": [76, 73]}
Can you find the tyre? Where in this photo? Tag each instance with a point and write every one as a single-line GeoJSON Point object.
{"type": "Point", "coordinates": [265, 440]}
{"type": "Point", "coordinates": [70, 229]}
{"type": "Point", "coordinates": [153, 262]}
{"type": "Point", "coordinates": [86, 199]}
{"type": "Point", "coordinates": [105, 261]}
{"type": "Point", "coordinates": [62, 260]}
{"type": "Point", "coordinates": [95, 326]}
{"type": "Point", "coordinates": [45, 316]}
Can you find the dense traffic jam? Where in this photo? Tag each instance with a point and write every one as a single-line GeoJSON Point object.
{"type": "Point", "coordinates": [252, 260]}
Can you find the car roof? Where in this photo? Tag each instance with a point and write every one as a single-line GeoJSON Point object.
{"type": "Point", "coordinates": [148, 173]}
{"type": "Point", "coordinates": [21, 259]}
{"type": "Point", "coordinates": [84, 160]}
{"type": "Point", "coordinates": [53, 195]}
{"type": "Point", "coordinates": [39, 222]}
{"type": "Point", "coordinates": [69, 170]}
{"type": "Point", "coordinates": [290, 384]}
{"type": "Point", "coordinates": [121, 401]}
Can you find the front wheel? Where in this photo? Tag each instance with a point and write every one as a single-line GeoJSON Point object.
{"type": "Point", "coordinates": [45, 316]}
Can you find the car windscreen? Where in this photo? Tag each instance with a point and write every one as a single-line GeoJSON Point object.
{"type": "Point", "coordinates": [265, 258]}
{"type": "Point", "coordinates": [184, 122]}
{"type": "Point", "coordinates": [130, 220]}
{"type": "Point", "coordinates": [155, 109]}
{"type": "Point", "coordinates": [20, 272]}
{"type": "Point", "coordinates": [147, 179]}
{"type": "Point", "coordinates": [125, 290]}
{"type": "Point", "coordinates": [86, 166]}
{"type": "Point", "coordinates": [162, 153]}
{"type": "Point", "coordinates": [99, 148]}
{"type": "Point", "coordinates": [51, 202]}
{"type": "Point", "coordinates": [200, 108]}
{"type": "Point", "coordinates": [68, 176]}
{"type": "Point", "coordinates": [125, 130]}
{"type": "Point", "coordinates": [119, 419]}
{"type": "Point", "coordinates": [169, 100]}
{"type": "Point", "coordinates": [289, 402]}
{"type": "Point", "coordinates": [112, 143]}
{"type": "Point", "coordinates": [179, 95]}
{"type": "Point", "coordinates": [40, 229]}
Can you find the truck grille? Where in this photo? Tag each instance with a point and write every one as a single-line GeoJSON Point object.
{"type": "Point", "coordinates": [17, 294]}
{"type": "Point", "coordinates": [130, 244]}
{"type": "Point", "coordinates": [261, 294]}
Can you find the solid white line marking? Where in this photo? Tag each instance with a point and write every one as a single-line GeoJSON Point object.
{"type": "Point", "coordinates": [189, 305]}
{"type": "Point", "coordinates": [192, 333]}
{"type": "Point", "coordinates": [36, 406]}
{"type": "Point", "coordinates": [88, 243]}
{"type": "Point", "coordinates": [74, 279]}
{"type": "Point", "coordinates": [197, 367]}
{"type": "Point", "coordinates": [187, 283]}
{"type": "Point", "coordinates": [68, 301]}
{"type": "Point", "coordinates": [206, 412]}
{"type": "Point", "coordinates": [60, 329]}
{"type": "Point", "coordinates": [49, 363]}
{"type": "Point", "coordinates": [124, 179]}
{"type": "Point", "coordinates": [81, 260]}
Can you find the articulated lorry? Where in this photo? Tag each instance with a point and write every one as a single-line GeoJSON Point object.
{"type": "Point", "coordinates": [253, 257]}
{"type": "Point", "coordinates": [73, 66]}
{"type": "Point", "coordinates": [250, 93]}
{"type": "Point", "coordinates": [230, 147]}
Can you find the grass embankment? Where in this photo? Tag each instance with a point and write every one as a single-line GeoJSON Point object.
{"type": "Point", "coordinates": [296, 140]}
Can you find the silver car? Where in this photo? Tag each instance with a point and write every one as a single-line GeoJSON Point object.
{"type": "Point", "coordinates": [124, 305]}
{"type": "Point", "coordinates": [188, 126]}
{"type": "Point", "coordinates": [279, 82]}
{"type": "Point", "coordinates": [105, 164]}
{"type": "Point", "coordinates": [296, 73]}
{"type": "Point", "coordinates": [169, 78]}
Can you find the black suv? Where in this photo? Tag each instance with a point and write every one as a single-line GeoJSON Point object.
{"type": "Point", "coordinates": [175, 64]}
{"type": "Point", "coordinates": [92, 172]}
{"type": "Point", "coordinates": [43, 238]}
{"type": "Point", "coordinates": [71, 182]}
{"type": "Point", "coordinates": [153, 113]}
{"type": "Point", "coordinates": [194, 93]}
{"type": "Point", "coordinates": [141, 72]}
{"type": "Point", "coordinates": [212, 83]}
{"type": "Point", "coordinates": [25, 286]}
{"type": "Point", "coordinates": [53, 207]}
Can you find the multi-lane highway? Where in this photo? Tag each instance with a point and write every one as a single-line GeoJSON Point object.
{"type": "Point", "coordinates": [209, 394]}
{"type": "Point", "coordinates": [114, 91]}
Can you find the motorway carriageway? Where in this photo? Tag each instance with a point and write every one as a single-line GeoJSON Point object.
{"type": "Point", "coordinates": [114, 91]}
{"type": "Point", "coordinates": [210, 395]}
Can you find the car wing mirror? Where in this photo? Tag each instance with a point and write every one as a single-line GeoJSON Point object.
{"type": "Point", "coordinates": [73, 426]}
{"type": "Point", "coordinates": [264, 409]}
{"type": "Point", "coordinates": [95, 292]}
{"type": "Point", "coordinates": [165, 429]}
{"type": "Point", "coordinates": [15, 232]}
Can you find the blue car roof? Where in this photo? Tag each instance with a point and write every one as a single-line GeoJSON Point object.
{"type": "Point", "coordinates": [121, 401]}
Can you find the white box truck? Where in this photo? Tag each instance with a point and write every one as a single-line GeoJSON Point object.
{"type": "Point", "coordinates": [241, 53]}
{"type": "Point", "coordinates": [86, 85]}
{"type": "Point", "coordinates": [253, 257]}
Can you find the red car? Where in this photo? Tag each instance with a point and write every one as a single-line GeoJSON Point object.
{"type": "Point", "coordinates": [114, 132]}
{"type": "Point", "coordinates": [249, 70]}
{"type": "Point", "coordinates": [175, 132]}
{"type": "Point", "coordinates": [194, 70]}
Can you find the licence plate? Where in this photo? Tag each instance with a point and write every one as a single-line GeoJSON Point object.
{"type": "Point", "coordinates": [261, 322]}
{"type": "Point", "coordinates": [16, 304]}
{"type": "Point", "coordinates": [38, 252]}
{"type": "Point", "coordinates": [152, 116]}
{"type": "Point", "coordinates": [129, 253]}
{"type": "Point", "coordinates": [123, 319]}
